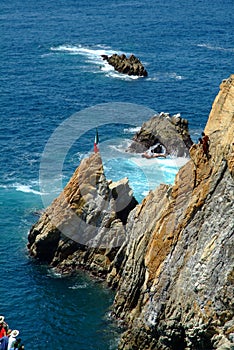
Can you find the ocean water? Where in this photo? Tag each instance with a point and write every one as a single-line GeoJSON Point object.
{"type": "Point", "coordinates": [55, 91]}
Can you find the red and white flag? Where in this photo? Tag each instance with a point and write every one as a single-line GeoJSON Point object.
{"type": "Point", "coordinates": [96, 142]}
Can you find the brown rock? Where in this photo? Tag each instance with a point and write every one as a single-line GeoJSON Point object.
{"type": "Point", "coordinates": [85, 222]}
{"type": "Point", "coordinates": [175, 280]}
{"type": "Point", "coordinates": [173, 262]}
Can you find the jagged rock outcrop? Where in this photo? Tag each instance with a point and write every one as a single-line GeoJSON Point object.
{"type": "Point", "coordinates": [127, 65]}
{"type": "Point", "coordinates": [175, 271]}
{"type": "Point", "coordinates": [84, 226]}
{"type": "Point", "coordinates": [170, 258]}
{"type": "Point", "coordinates": [170, 131]}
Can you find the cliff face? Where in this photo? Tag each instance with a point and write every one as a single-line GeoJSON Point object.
{"type": "Point", "coordinates": [175, 283]}
{"type": "Point", "coordinates": [171, 258]}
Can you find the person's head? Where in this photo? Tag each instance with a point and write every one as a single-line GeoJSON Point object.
{"type": "Point", "coordinates": [15, 333]}
{"type": "Point", "coordinates": [1, 321]}
{"type": "Point", "coordinates": [203, 134]}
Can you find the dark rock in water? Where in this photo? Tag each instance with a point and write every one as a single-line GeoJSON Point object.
{"type": "Point", "coordinates": [129, 66]}
{"type": "Point", "coordinates": [171, 132]}
{"type": "Point", "coordinates": [105, 57]}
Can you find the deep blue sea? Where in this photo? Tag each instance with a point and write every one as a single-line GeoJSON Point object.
{"type": "Point", "coordinates": [55, 90]}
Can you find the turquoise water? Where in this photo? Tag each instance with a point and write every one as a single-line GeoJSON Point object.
{"type": "Point", "coordinates": [55, 90]}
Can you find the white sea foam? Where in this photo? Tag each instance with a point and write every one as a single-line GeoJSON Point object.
{"type": "Point", "coordinates": [118, 147]}
{"type": "Point", "coordinates": [79, 286]}
{"type": "Point", "coordinates": [168, 164]}
{"type": "Point", "coordinates": [143, 174]}
{"type": "Point", "coordinates": [175, 76]}
{"type": "Point", "coordinates": [144, 193]}
{"type": "Point", "coordinates": [159, 76]}
{"type": "Point", "coordinates": [26, 189]}
{"type": "Point", "coordinates": [22, 188]}
{"type": "Point", "coordinates": [153, 173]}
{"type": "Point", "coordinates": [132, 130]}
{"type": "Point", "coordinates": [94, 56]}
{"type": "Point", "coordinates": [106, 67]}
{"type": "Point", "coordinates": [3, 186]}
{"type": "Point", "coordinates": [113, 74]}
{"type": "Point", "coordinates": [215, 48]}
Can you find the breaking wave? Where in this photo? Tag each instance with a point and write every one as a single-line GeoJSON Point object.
{"type": "Point", "coordinates": [26, 189]}
{"type": "Point", "coordinates": [94, 56]}
{"type": "Point", "coordinates": [23, 188]}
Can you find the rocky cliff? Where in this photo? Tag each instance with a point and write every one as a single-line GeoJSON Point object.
{"type": "Point", "coordinates": [170, 258]}
{"type": "Point", "coordinates": [85, 225]}
{"type": "Point", "coordinates": [170, 131]}
{"type": "Point", "coordinates": [175, 283]}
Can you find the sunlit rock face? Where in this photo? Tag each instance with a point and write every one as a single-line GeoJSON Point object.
{"type": "Point", "coordinates": [170, 258]}
{"type": "Point", "coordinates": [175, 280]}
{"type": "Point", "coordinates": [85, 225]}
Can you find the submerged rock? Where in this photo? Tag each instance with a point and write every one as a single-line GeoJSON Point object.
{"type": "Point", "coordinates": [170, 131]}
{"type": "Point", "coordinates": [129, 66]}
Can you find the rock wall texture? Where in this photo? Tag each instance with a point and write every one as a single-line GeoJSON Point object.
{"type": "Point", "coordinates": [170, 131]}
{"type": "Point", "coordinates": [170, 258]}
{"type": "Point", "coordinates": [85, 225]}
{"type": "Point", "coordinates": [176, 278]}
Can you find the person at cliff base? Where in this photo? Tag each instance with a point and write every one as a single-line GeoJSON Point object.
{"type": "Point", "coordinates": [12, 339]}
{"type": "Point", "coordinates": [155, 151]}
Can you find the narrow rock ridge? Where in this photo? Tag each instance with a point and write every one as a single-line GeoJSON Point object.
{"type": "Point", "coordinates": [126, 65]}
{"type": "Point", "coordinates": [175, 273]}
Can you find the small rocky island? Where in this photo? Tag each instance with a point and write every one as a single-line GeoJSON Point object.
{"type": "Point", "coordinates": [126, 65]}
{"type": "Point", "coordinates": [169, 131]}
{"type": "Point", "coordinates": [170, 258]}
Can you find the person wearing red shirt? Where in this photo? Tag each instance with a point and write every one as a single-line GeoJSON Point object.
{"type": "Point", "coordinates": [2, 331]}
